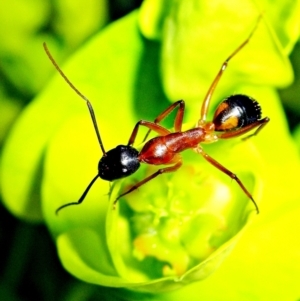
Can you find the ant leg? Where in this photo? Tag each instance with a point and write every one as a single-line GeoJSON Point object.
{"type": "Point", "coordinates": [151, 126]}
{"type": "Point", "coordinates": [160, 129]}
{"type": "Point", "coordinates": [178, 162]}
{"type": "Point", "coordinates": [259, 124]}
{"type": "Point", "coordinates": [81, 198]}
{"type": "Point", "coordinates": [233, 176]}
{"type": "Point", "coordinates": [262, 124]}
{"type": "Point", "coordinates": [206, 102]}
{"type": "Point", "coordinates": [165, 113]}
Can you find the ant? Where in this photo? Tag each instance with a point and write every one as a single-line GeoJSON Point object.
{"type": "Point", "coordinates": [236, 115]}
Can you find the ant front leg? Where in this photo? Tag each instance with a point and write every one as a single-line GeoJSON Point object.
{"type": "Point", "coordinates": [151, 126]}
{"type": "Point", "coordinates": [178, 118]}
{"type": "Point", "coordinates": [233, 176]}
{"type": "Point", "coordinates": [178, 162]}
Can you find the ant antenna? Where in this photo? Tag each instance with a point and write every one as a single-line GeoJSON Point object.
{"type": "Point", "coordinates": [90, 107]}
{"type": "Point", "coordinates": [81, 198]}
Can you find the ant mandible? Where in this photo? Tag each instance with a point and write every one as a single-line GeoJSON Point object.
{"type": "Point", "coordinates": [235, 116]}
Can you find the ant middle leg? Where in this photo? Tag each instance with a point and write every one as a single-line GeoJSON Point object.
{"type": "Point", "coordinates": [233, 176]}
{"type": "Point", "coordinates": [178, 162]}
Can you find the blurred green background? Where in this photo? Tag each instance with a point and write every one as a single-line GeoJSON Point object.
{"type": "Point", "coordinates": [27, 250]}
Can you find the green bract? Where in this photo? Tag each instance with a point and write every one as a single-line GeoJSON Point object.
{"type": "Point", "coordinates": [178, 228]}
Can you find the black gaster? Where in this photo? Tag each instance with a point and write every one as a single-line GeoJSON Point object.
{"type": "Point", "coordinates": [118, 163]}
{"type": "Point", "coordinates": [246, 109]}
{"type": "Point", "coordinates": [250, 107]}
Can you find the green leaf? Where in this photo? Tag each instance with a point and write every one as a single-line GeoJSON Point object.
{"type": "Point", "coordinates": [197, 36]}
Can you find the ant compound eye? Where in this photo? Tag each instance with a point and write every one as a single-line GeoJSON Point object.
{"type": "Point", "coordinates": [235, 112]}
{"type": "Point", "coordinates": [118, 163]}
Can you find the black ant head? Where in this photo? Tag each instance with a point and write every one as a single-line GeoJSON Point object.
{"type": "Point", "coordinates": [235, 112]}
{"type": "Point", "coordinates": [118, 163]}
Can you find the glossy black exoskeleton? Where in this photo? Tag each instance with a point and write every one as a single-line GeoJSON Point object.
{"type": "Point", "coordinates": [235, 112]}
{"type": "Point", "coordinates": [118, 163]}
